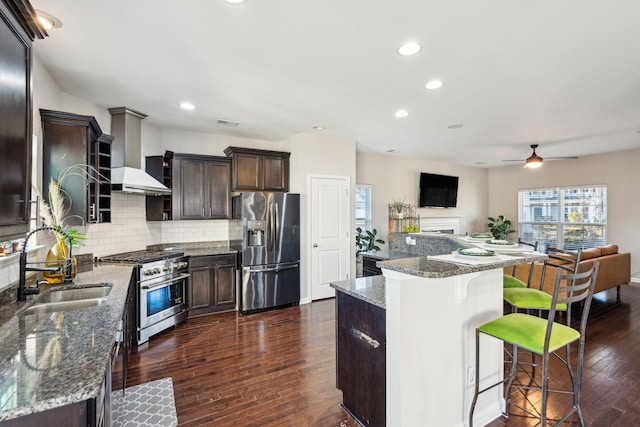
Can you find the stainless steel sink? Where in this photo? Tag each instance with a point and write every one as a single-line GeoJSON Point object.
{"type": "Point", "coordinates": [70, 299]}
{"type": "Point", "coordinates": [51, 307]}
{"type": "Point", "coordinates": [67, 295]}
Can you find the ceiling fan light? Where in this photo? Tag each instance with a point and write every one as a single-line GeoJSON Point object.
{"type": "Point", "coordinates": [533, 162]}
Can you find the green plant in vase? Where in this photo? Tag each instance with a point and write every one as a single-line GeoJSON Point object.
{"type": "Point", "coordinates": [398, 206]}
{"type": "Point", "coordinates": [55, 215]}
{"type": "Point", "coordinates": [500, 227]}
{"type": "Point", "coordinates": [366, 240]}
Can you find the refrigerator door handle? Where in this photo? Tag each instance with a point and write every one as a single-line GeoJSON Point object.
{"type": "Point", "coordinates": [270, 269]}
{"type": "Point", "coordinates": [270, 215]}
{"type": "Point", "coordinates": [277, 231]}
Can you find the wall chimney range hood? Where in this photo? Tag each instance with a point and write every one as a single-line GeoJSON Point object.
{"type": "Point", "coordinates": [126, 155]}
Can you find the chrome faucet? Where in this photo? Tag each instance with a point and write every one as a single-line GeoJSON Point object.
{"type": "Point", "coordinates": [23, 291]}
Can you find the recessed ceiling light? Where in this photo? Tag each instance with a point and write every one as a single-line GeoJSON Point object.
{"type": "Point", "coordinates": [235, 1]}
{"type": "Point", "coordinates": [402, 113]}
{"type": "Point", "coordinates": [187, 106]}
{"type": "Point", "coordinates": [409, 48]}
{"type": "Point", "coordinates": [47, 21]}
{"type": "Point", "coordinates": [318, 128]}
{"type": "Point", "coordinates": [434, 84]}
{"type": "Point", "coordinates": [455, 126]}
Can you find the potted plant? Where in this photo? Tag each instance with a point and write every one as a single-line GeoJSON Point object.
{"type": "Point", "coordinates": [366, 240]}
{"type": "Point", "coordinates": [500, 227]}
{"type": "Point", "coordinates": [398, 206]}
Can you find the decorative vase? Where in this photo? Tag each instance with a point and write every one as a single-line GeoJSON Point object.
{"type": "Point", "coordinates": [57, 257]}
{"type": "Point", "coordinates": [400, 215]}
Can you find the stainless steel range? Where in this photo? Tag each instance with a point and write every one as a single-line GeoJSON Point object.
{"type": "Point", "coordinates": [161, 289]}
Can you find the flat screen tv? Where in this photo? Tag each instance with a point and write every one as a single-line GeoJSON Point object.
{"type": "Point", "coordinates": [438, 191]}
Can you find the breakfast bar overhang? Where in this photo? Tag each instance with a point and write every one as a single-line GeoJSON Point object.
{"type": "Point", "coordinates": [431, 310]}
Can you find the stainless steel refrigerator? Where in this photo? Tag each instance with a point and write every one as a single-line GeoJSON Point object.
{"type": "Point", "coordinates": [270, 250]}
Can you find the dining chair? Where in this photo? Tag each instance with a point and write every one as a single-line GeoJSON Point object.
{"type": "Point", "coordinates": [544, 337]}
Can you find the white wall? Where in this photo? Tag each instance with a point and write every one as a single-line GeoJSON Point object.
{"type": "Point", "coordinates": [620, 172]}
{"type": "Point", "coordinates": [396, 177]}
{"type": "Point", "coordinates": [318, 155]}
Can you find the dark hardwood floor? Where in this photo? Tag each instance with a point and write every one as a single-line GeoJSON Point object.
{"type": "Point", "coordinates": [278, 368]}
{"type": "Point", "coordinates": [611, 378]}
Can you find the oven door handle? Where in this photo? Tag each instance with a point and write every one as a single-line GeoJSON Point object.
{"type": "Point", "coordinates": [164, 282]}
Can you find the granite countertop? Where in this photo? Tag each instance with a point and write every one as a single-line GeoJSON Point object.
{"type": "Point", "coordinates": [416, 259]}
{"type": "Point", "coordinates": [209, 251]}
{"type": "Point", "coordinates": [386, 254]}
{"type": "Point", "coordinates": [55, 359]}
{"type": "Point", "coordinates": [370, 289]}
{"type": "Point", "coordinates": [427, 267]}
{"type": "Point", "coordinates": [197, 248]}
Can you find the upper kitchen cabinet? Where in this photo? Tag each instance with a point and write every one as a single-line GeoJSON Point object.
{"type": "Point", "coordinates": [257, 170]}
{"type": "Point", "coordinates": [71, 139]}
{"type": "Point", "coordinates": [159, 167]}
{"type": "Point", "coordinates": [200, 185]}
{"type": "Point", "coordinates": [17, 32]}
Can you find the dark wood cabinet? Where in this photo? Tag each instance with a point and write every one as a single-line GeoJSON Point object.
{"type": "Point", "coordinates": [369, 267]}
{"type": "Point", "coordinates": [201, 187]}
{"type": "Point", "coordinates": [127, 338]}
{"type": "Point", "coordinates": [258, 170]}
{"type": "Point", "coordinates": [17, 32]}
{"type": "Point", "coordinates": [99, 408]}
{"type": "Point", "coordinates": [71, 139]}
{"type": "Point", "coordinates": [212, 285]}
{"type": "Point", "coordinates": [361, 354]}
{"type": "Point", "coordinates": [159, 207]}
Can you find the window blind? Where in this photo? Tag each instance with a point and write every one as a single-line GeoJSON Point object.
{"type": "Point", "coordinates": [363, 206]}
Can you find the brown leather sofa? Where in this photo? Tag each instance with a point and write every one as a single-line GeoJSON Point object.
{"type": "Point", "coordinates": [614, 271]}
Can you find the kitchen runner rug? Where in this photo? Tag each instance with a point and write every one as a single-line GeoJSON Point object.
{"type": "Point", "coordinates": [149, 404]}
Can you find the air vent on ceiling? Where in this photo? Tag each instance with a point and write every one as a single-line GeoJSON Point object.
{"type": "Point", "coordinates": [227, 122]}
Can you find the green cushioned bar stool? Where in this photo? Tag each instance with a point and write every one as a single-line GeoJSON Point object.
{"type": "Point", "coordinates": [529, 298]}
{"type": "Point", "coordinates": [544, 337]}
{"type": "Point", "coordinates": [511, 281]}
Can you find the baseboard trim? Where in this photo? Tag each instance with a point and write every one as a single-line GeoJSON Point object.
{"type": "Point", "coordinates": [305, 301]}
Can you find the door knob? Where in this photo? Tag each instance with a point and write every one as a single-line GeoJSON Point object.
{"type": "Point", "coordinates": [315, 245]}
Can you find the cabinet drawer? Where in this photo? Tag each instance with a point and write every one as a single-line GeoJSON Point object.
{"type": "Point", "coordinates": [212, 260]}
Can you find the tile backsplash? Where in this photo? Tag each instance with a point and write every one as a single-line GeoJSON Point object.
{"type": "Point", "coordinates": [130, 231]}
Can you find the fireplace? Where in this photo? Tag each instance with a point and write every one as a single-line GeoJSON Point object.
{"type": "Point", "coordinates": [447, 225]}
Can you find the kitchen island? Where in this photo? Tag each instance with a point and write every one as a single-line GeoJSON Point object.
{"type": "Point", "coordinates": [56, 366]}
{"type": "Point", "coordinates": [431, 310]}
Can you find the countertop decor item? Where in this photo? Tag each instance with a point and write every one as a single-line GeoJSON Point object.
{"type": "Point", "coordinates": [500, 227]}
{"type": "Point", "coordinates": [398, 205]}
{"type": "Point", "coordinates": [55, 214]}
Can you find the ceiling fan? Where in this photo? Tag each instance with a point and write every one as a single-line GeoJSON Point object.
{"type": "Point", "coordinates": [535, 161]}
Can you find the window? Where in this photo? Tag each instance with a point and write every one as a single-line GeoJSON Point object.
{"type": "Point", "coordinates": [568, 218]}
{"type": "Point", "coordinates": [363, 206]}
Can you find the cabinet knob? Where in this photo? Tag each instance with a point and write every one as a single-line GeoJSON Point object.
{"type": "Point", "coordinates": [315, 245]}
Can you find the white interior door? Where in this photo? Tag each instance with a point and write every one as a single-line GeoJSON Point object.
{"type": "Point", "coordinates": [330, 233]}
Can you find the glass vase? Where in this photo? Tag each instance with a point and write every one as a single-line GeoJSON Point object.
{"type": "Point", "coordinates": [57, 257]}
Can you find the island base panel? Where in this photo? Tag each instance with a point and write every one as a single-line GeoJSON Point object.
{"type": "Point", "coordinates": [361, 359]}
